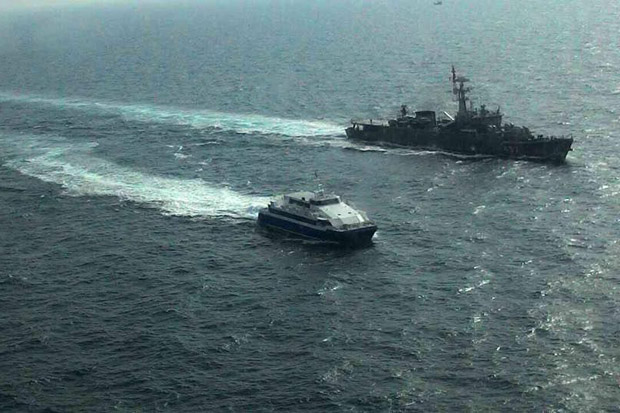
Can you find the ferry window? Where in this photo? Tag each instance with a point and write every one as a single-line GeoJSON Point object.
{"type": "Point", "coordinates": [326, 201]}
{"type": "Point", "coordinates": [298, 202]}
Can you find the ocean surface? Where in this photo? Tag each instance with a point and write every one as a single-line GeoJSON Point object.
{"type": "Point", "coordinates": [138, 141]}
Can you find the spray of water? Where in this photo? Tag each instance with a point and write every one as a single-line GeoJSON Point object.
{"type": "Point", "coordinates": [80, 173]}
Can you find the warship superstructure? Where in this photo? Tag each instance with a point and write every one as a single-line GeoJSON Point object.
{"type": "Point", "coordinates": [472, 131]}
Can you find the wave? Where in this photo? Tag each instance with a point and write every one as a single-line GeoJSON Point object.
{"type": "Point", "coordinates": [80, 173]}
{"type": "Point", "coordinates": [232, 122]}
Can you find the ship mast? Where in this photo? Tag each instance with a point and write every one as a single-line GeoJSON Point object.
{"type": "Point", "coordinates": [460, 91]}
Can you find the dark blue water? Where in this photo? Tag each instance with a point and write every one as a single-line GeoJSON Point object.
{"type": "Point", "coordinates": [139, 140]}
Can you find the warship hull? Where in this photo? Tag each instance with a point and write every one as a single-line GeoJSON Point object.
{"type": "Point", "coordinates": [464, 142]}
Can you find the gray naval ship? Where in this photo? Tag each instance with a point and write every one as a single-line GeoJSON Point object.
{"type": "Point", "coordinates": [472, 131]}
{"type": "Point", "coordinates": [318, 216]}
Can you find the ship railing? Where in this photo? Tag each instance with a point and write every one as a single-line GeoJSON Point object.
{"type": "Point", "coordinates": [373, 122]}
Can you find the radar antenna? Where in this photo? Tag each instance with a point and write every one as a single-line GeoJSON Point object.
{"type": "Point", "coordinates": [319, 185]}
{"type": "Point", "coordinates": [460, 91]}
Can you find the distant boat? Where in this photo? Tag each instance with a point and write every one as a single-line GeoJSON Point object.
{"type": "Point", "coordinates": [438, 3]}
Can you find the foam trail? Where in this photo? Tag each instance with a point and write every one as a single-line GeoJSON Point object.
{"type": "Point", "coordinates": [81, 174]}
{"type": "Point", "coordinates": [235, 122]}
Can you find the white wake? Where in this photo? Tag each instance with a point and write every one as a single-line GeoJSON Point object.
{"type": "Point", "coordinates": [234, 122]}
{"type": "Point", "coordinates": [80, 173]}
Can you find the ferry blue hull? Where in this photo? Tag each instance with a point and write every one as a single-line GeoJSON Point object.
{"type": "Point", "coordinates": [349, 237]}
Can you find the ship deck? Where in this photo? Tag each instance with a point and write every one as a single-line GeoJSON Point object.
{"type": "Point", "coordinates": [373, 122]}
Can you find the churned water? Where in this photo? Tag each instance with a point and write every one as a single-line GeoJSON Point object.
{"type": "Point", "coordinates": [139, 140]}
